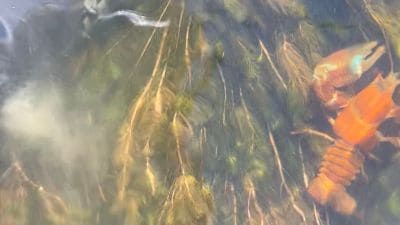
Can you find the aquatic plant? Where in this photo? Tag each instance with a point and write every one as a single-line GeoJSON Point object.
{"type": "Point", "coordinates": [297, 71]}
{"type": "Point", "coordinates": [385, 14]}
{"type": "Point", "coordinates": [310, 40]}
{"type": "Point", "coordinates": [25, 201]}
{"type": "Point", "coordinates": [287, 7]}
{"type": "Point", "coordinates": [237, 9]}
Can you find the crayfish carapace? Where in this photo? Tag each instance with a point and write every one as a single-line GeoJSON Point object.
{"type": "Point", "coordinates": [357, 120]}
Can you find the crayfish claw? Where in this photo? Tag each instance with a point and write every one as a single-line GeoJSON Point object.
{"type": "Point", "coordinates": [363, 49]}
{"type": "Point", "coordinates": [343, 68]}
{"type": "Point", "coordinates": [364, 56]}
{"type": "Point", "coordinates": [371, 58]}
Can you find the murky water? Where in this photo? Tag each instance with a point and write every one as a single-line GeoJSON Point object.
{"type": "Point", "coordinates": [105, 122]}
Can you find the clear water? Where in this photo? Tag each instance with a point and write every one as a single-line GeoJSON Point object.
{"type": "Point", "coordinates": [104, 122]}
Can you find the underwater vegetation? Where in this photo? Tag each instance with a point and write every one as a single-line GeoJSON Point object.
{"type": "Point", "coordinates": [205, 115]}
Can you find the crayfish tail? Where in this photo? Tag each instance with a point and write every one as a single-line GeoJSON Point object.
{"type": "Point", "coordinates": [343, 203]}
{"type": "Point", "coordinates": [321, 189]}
{"type": "Point", "coordinates": [340, 165]}
{"type": "Point", "coordinates": [326, 192]}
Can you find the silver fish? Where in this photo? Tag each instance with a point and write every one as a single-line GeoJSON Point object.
{"type": "Point", "coordinates": [135, 18]}
{"type": "Point", "coordinates": [99, 11]}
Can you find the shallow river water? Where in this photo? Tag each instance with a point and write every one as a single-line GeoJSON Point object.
{"type": "Point", "coordinates": [182, 112]}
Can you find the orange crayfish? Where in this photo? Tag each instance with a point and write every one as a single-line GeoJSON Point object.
{"type": "Point", "coordinates": [357, 120]}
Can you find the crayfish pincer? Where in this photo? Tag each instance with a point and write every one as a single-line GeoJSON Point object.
{"type": "Point", "coordinates": [358, 117]}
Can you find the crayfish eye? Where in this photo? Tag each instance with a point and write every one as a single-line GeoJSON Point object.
{"type": "Point", "coordinates": [396, 95]}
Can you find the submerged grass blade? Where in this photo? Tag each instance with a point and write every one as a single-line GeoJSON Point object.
{"type": "Point", "coordinates": [182, 132]}
{"type": "Point", "coordinates": [295, 66]}
{"type": "Point", "coordinates": [282, 176]}
{"type": "Point", "coordinates": [386, 18]}
{"type": "Point", "coordinates": [189, 203]}
{"type": "Point", "coordinates": [123, 159]}
{"type": "Point", "coordinates": [274, 69]}
{"type": "Point", "coordinates": [32, 197]}
{"type": "Point", "coordinates": [287, 7]}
